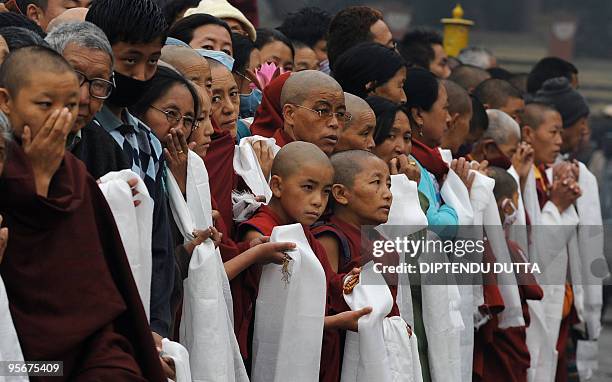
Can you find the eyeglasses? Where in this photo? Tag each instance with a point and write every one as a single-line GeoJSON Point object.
{"type": "Point", "coordinates": [173, 117]}
{"type": "Point", "coordinates": [327, 114]}
{"type": "Point", "coordinates": [98, 87]}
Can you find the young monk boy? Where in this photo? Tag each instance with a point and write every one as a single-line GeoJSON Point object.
{"type": "Point", "coordinates": [499, 94]}
{"type": "Point", "coordinates": [71, 292]}
{"type": "Point", "coordinates": [358, 131]}
{"type": "Point", "coordinates": [301, 181]}
{"type": "Point", "coordinates": [504, 355]}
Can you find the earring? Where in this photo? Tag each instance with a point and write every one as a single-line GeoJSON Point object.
{"type": "Point", "coordinates": [420, 130]}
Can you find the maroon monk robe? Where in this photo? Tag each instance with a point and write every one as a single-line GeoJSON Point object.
{"type": "Point", "coordinates": [282, 138]}
{"type": "Point", "coordinates": [269, 114]}
{"type": "Point", "coordinates": [71, 291]}
{"type": "Point", "coordinates": [219, 161]}
{"type": "Point", "coordinates": [264, 222]}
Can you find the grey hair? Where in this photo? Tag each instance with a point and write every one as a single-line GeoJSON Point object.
{"type": "Point", "coordinates": [501, 127]}
{"type": "Point", "coordinates": [83, 34]}
{"type": "Point", "coordinates": [477, 56]}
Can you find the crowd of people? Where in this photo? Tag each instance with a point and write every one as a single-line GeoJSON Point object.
{"type": "Point", "coordinates": [185, 196]}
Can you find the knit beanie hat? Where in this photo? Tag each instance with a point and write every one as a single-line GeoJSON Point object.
{"type": "Point", "coordinates": [223, 10]}
{"type": "Point", "coordinates": [558, 93]}
{"type": "Point", "coordinates": [365, 63]}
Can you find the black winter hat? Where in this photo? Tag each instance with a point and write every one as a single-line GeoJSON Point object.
{"type": "Point", "coordinates": [558, 93]}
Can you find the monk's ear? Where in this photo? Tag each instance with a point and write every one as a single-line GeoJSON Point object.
{"type": "Point", "coordinates": [527, 134]}
{"type": "Point", "coordinates": [453, 121]}
{"type": "Point", "coordinates": [289, 113]}
{"type": "Point", "coordinates": [340, 194]}
{"type": "Point", "coordinates": [276, 185]}
{"type": "Point", "coordinates": [35, 13]}
{"type": "Point", "coordinates": [5, 99]}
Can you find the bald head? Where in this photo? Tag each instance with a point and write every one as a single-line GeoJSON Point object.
{"type": "Point", "coordinates": [301, 85]}
{"type": "Point", "coordinates": [348, 164]}
{"type": "Point", "coordinates": [468, 76]}
{"type": "Point", "coordinates": [188, 62]}
{"type": "Point", "coordinates": [534, 114]}
{"type": "Point", "coordinates": [458, 98]}
{"type": "Point", "coordinates": [356, 106]}
{"type": "Point", "coordinates": [502, 128]}
{"type": "Point", "coordinates": [74, 15]}
{"type": "Point", "coordinates": [293, 156]}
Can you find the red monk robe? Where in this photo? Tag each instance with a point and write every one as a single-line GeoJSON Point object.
{"type": "Point", "coordinates": [504, 352]}
{"type": "Point", "coordinates": [269, 114]}
{"type": "Point", "coordinates": [71, 291]}
{"type": "Point", "coordinates": [219, 161]}
{"type": "Point", "coordinates": [349, 238]}
{"type": "Point", "coordinates": [264, 222]}
{"type": "Point", "coordinates": [569, 314]}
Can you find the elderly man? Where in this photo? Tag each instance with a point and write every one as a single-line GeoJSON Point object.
{"type": "Point", "coordinates": [87, 49]}
{"type": "Point", "coordinates": [500, 141]}
{"type": "Point", "coordinates": [313, 110]}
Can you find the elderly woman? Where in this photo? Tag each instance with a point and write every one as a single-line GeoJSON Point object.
{"type": "Point", "coordinates": [87, 49]}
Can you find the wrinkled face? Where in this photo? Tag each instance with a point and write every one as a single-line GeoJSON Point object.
{"type": "Point", "coordinates": [358, 134]}
{"type": "Point", "coordinates": [545, 139]}
{"type": "Point", "coordinates": [381, 34]}
{"type": "Point", "coordinates": [177, 100]}
{"type": "Point", "coordinates": [279, 53]}
{"type": "Point", "coordinates": [225, 99]}
{"type": "Point", "coordinates": [307, 125]}
{"type": "Point", "coordinates": [304, 195]}
{"type": "Point", "coordinates": [201, 135]}
{"type": "Point", "coordinates": [436, 120]}
{"type": "Point", "coordinates": [509, 147]}
{"type": "Point", "coordinates": [38, 98]}
{"type": "Point", "coordinates": [439, 65]}
{"type": "Point", "coordinates": [94, 64]}
{"type": "Point", "coordinates": [399, 140]}
{"type": "Point", "coordinates": [4, 49]}
{"type": "Point", "coordinates": [236, 26]}
{"type": "Point", "coordinates": [320, 49]}
{"type": "Point", "coordinates": [370, 197]}
{"type": "Point", "coordinates": [212, 37]}
{"type": "Point", "coordinates": [575, 136]}
{"type": "Point", "coordinates": [514, 107]}
{"type": "Point", "coordinates": [196, 69]}
{"type": "Point", "coordinates": [138, 61]}
{"type": "Point", "coordinates": [393, 90]}
{"type": "Point", "coordinates": [305, 59]}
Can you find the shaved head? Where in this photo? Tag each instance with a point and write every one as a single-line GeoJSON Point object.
{"type": "Point", "coordinates": [505, 184]}
{"type": "Point", "coordinates": [348, 164]}
{"type": "Point", "coordinates": [355, 106]}
{"type": "Point", "coordinates": [468, 76]}
{"type": "Point", "coordinates": [294, 155]}
{"type": "Point", "coordinates": [22, 66]}
{"type": "Point", "coordinates": [458, 98]}
{"type": "Point", "coordinates": [501, 127]}
{"type": "Point", "coordinates": [73, 15]}
{"type": "Point", "coordinates": [181, 57]}
{"type": "Point", "coordinates": [301, 85]}
{"type": "Point", "coordinates": [534, 113]}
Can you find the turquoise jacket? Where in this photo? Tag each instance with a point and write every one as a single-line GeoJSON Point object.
{"type": "Point", "coordinates": [442, 219]}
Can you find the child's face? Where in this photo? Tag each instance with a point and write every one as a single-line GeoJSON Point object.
{"type": "Point", "coordinates": [303, 196]}
{"type": "Point", "coordinates": [370, 197]}
{"type": "Point", "coordinates": [507, 206]}
{"type": "Point", "coordinates": [38, 98]}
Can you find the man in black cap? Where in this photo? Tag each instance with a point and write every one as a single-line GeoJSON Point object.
{"type": "Point", "coordinates": [573, 108]}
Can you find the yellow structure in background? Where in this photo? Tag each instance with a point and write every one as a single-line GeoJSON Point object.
{"type": "Point", "coordinates": [456, 32]}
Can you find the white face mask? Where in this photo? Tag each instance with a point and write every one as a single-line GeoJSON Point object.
{"type": "Point", "coordinates": [509, 219]}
